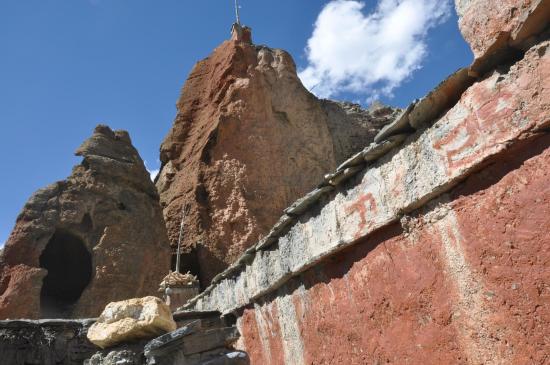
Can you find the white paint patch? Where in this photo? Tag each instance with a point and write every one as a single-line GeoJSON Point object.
{"type": "Point", "coordinates": [262, 330]}
{"type": "Point", "coordinates": [302, 295]}
{"type": "Point", "coordinates": [293, 345]}
{"type": "Point", "coordinates": [471, 313]}
{"type": "Point", "coordinates": [240, 344]}
{"type": "Point", "coordinates": [501, 105]}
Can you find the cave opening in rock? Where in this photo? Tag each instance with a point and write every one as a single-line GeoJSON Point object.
{"type": "Point", "coordinates": [189, 262]}
{"type": "Point", "coordinates": [69, 266]}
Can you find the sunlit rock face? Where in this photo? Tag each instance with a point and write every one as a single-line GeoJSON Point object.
{"type": "Point", "coordinates": [96, 237]}
{"type": "Point", "coordinates": [248, 139]}
{"type": "Point", "coordinates": [498, 29]}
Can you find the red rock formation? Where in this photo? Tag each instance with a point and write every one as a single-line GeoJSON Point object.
{"type": "Point", "coordinates": [247, 141]}
{"type": "Point", "coordinates": [495, 28]}
{"type": "Point", "coordinates": [97, 237]}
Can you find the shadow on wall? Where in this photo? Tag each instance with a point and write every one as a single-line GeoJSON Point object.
{"type": "Point", "coordinates": [69, 265]}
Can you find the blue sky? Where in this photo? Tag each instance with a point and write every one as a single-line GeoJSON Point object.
{"type": "Point", "coordinates": [67, 65]}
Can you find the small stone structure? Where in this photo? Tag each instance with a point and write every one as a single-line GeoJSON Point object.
{"type": "Point", "coordinates": [196, 343]}
{"type": "Point", "coordinates": [177, 289]}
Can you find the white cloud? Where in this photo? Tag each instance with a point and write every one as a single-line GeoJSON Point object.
{"type": "Point", "coordinates": [369, 54]}
{"type": "Point", "coordinates": [152, 172]}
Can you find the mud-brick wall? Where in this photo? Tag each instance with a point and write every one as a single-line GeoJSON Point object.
{"type": "Point", "coordinates": [463, 281]}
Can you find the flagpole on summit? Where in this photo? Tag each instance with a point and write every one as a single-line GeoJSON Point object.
{"type": "Point", "coordinates": [237, 13]}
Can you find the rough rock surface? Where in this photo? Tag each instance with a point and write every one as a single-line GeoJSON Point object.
{"type": "Point", "coordinates": [203, 341]}
{"type": "Point", "coordinates": [198, 342]}
{"type": "Point", "coordinates": [494, 27]}
{"type": "Point", "coordinates": [45, 342]}
{"type": "Point", "coordinates": [94, 238]}
{"type": "Point", "coordinates": [131, 320]}
{"type": "Point", "coordinates": [125, 355]}
{"type": "Point", "coordinates": [352, 127]}
{"type": "Point", "coordinates": [248, 139]}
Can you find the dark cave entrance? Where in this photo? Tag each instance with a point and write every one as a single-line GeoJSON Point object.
{"type": "Point", "coordinates": [189, 262]}
{"type": "Point", "coordinates": [69, 266]}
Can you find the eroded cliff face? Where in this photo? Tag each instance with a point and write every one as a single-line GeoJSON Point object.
{"type": "Point", "coordinates": [248, 139]}
{"type": "Point", "coordinates": [96, 237]}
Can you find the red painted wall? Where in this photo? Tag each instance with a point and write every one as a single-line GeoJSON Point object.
{"type": "Point", "coordinates": [466, 281]}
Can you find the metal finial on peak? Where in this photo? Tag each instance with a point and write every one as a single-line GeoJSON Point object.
{"type": "Point", "coordinates": [237, 12]}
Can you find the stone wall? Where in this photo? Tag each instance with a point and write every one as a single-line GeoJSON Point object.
{"type": "Point", "coordinates": [45, 342]}
{"type": "Point", "coordinates": [201, 339]}
{"type": "Point", "coordinates": [440, 288]}
{"type": "Point", "coordinates": [429, 246]}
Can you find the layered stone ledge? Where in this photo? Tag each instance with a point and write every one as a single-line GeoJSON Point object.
{"type": "Point", "coordinates": [490, 117]}
{"type": "Point", "coordinates": [47, 342]}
